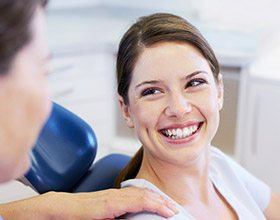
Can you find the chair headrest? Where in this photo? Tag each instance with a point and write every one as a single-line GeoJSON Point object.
{"type": "Point", "coordinates": [103, 173]}
{"type": "Point", "coordinates": [63, 152]}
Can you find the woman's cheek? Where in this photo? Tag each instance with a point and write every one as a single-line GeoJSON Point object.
{"type": "Point", "coordinates": [211, 113]}
{"type": "Point", "coordinates": [209, 101]}
{"type": "Point", "coordinates": [145, 114]}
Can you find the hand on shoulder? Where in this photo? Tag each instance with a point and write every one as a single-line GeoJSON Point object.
{"type": "Point", "coordinates": [107, 204]}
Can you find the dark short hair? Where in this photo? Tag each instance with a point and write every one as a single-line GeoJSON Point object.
{"type": "Point", "coordinates": [153, 29]}
{"type": "Point", "coordinates": [15, 31]}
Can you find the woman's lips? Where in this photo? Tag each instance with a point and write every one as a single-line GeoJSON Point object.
{"type": "Point", "coordinates": [181, 135]}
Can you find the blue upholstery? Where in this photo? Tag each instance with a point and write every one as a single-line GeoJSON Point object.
{"type": "Point", "coordinates": [103, 173]}
{"type": "Point", "coordinates": [62, 157]}
{"type": "Point", "coordinates": [63, 153]}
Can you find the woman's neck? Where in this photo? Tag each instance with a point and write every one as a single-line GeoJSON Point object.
{"type": "Point", "coordinates": [186, 184]}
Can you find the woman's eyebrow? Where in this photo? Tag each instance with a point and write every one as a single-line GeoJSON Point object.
{"type": "Point", "coordinates": [158, 81]}
{"type": "Point", "coordinates": [147, 82]}
{"type": "Point", "coordinates": [195, 73]}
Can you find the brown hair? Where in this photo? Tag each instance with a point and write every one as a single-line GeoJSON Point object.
{"type": "Point", "coordinates": [148, 31]}
{"type": "Point", "coordinates": [15, 33]}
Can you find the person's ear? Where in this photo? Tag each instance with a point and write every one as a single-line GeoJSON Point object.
{"type": "Point", "coordinates": [220, 86]}
{"type": "Point", "coordinates": [125, 110]}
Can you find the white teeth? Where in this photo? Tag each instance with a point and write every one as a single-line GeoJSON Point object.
{"type": "Point", "coordinates": [191, 128]}
{"type": "Point", "coordinates": [169, 133]}
{"type": "Point", "coordinates": [194, 128]}
{"type": "Point", "coordinates": [187, 132]}
{"type": "Point", "coordinates": [180, 133]}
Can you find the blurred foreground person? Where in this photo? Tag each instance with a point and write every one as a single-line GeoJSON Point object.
{"type": "Point", "coordinates": [25, 106]}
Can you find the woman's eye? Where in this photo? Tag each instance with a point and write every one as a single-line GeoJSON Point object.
{"type": "Point", "coordinates": [150, 91]}
{"type": "Point", "coordinates": [195, 82]}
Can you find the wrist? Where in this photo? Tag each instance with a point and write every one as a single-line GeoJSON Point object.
{"type": "Point", "coordinates": [49, 206]}
{"type": "Point", "coordinates": [22, 209]}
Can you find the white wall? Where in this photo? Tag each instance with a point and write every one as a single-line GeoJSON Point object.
{"type": "Point", "coordinates": [246, 15]}
{"type": "Point", "coordinates": [243, 15]}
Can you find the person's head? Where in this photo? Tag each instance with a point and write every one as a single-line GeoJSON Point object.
{"type": "Point", "coordinates": [170, 89]}
{"type": "Point", "coordinates": [24, 94]}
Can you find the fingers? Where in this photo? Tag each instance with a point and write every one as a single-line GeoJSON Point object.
{"type": "Point", "coordinates": [156, 203]}
{"type": "Point", "coordinates": [112, 203]}
{"type": "Point", "coordinates": [133, 199]}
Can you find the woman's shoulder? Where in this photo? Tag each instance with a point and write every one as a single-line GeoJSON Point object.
{"type": "Point", "coordinates": [142, 184]}
{"type": "Point", "coordinates": [216, 153]}
{"type": "Point", "coordinates": [183, 214]}
{"type": "Point", "coordinates": [226, 171]}
{"type": "Point", "coordinates": [224, 166]}
{"type": "Point", "coordinates": [222, 161]}
{"type": "Point", "coordinates": [143, 216]}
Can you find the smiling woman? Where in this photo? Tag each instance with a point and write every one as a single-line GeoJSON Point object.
{"type": "Point", "coordinates": [174, 102]}
{"type": "Point", "coordinates": [171, 91]}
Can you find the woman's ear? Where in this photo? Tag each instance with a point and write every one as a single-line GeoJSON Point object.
{"type": "Point", "coordinates": [220, 86]}
{"type": "Point", "coordinates": [124, 108]}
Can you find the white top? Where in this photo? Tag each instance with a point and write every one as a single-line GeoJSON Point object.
{"type": "Point", "coordinates": [246, 194]}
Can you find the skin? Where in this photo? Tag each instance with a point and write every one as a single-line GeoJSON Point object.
{"type": "Point", "coordinates": [171, 103]}
{"type": "Point", "coordinates": [106, 204]}
{"type": "Point", "coordinates": [24, 91]}
{"type": "Point", "coordinates": [173, 86]}
{"type": "Point", "coordinates": [157, 101]}
{"type": "Point", "coordinates": [273, 210]}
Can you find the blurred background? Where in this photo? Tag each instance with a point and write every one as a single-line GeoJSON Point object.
{"type": "Point", "coordinates": [84, 37]}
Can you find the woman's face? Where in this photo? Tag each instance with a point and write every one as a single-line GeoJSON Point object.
{"type": "Point", "coordinates": [25, 103]}
{"type": "Point", "coordinates": [174, 102]}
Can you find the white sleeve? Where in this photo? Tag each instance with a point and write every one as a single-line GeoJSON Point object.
{"type": "Point", "coordinates": [143, 216]}
{"type": "Point", "coordinates": [259, 190]}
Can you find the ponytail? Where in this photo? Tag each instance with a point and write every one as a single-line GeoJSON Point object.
{"type": "Point", "coordinates": [131, 170]}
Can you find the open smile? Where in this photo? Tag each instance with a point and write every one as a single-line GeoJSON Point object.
{"type": "Point", "coordinates": [181, 133]}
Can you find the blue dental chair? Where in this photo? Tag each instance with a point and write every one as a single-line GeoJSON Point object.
{"type": "Point", "coordinates": [62, 159]}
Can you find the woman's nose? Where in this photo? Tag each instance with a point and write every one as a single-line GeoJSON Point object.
{"type": "Point", "coordinates": [178, 106]}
